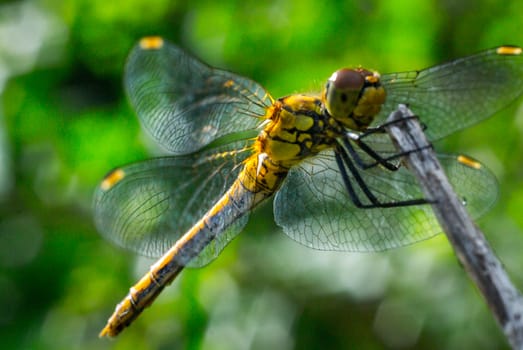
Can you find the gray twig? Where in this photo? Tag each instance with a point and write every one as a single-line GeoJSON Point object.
{"type": "Point", "coordinates": [469, 243]}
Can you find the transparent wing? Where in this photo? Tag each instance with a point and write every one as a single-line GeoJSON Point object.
{"type": "Point", "coordinates": [185, 104]}
{"type": "Point", "coordinates": [457, 94]}
{"type": "Point", "coordinates": [147, 206]}
{"type": "Point", "coordinates": [313, 206]}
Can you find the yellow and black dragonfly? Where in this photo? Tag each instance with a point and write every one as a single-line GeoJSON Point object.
{"type": "Point", "coordinates": [336, 181]}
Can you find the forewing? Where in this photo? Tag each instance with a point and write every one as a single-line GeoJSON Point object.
{"type": "Point", "coordinates": [457, 94]}
{"type": "Point", "coordinates": [185, 104]}
{"type": "Point", "coordinates": [313, 206]}
{"type": "Point", "coordinates": [147, 206]}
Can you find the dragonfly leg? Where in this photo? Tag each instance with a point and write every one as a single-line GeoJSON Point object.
{"type": "Point", "coordinates": [378, 159]}
{"type": "Point", "coordinates": [345, 163]}
{"type": "Point", "coordinates": [382, 128]}
{"type": "Point", "coordinates": [386, 162]}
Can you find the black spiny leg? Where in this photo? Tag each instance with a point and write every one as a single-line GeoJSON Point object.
{"type": "Point", "coordinates": [358, 139]}
{"type": "Point", "coordinates": [345, 163]}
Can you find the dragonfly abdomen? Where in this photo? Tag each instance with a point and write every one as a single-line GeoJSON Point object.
{"type": "Point", "coordinates": [235, 203]}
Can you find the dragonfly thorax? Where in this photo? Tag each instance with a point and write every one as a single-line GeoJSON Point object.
{"type": "Point", "coordinates": [353, 97]}
{"type": "Point", "coordinates": [298, 128]}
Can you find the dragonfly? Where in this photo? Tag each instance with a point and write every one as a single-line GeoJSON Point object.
{"type": "Point", "coordinates": [334, 175]}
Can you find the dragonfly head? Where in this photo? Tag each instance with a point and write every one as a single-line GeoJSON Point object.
{"type": "Point", "coordinates": [353, 97]}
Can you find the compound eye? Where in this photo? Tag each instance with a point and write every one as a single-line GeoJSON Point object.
{"type": "Point", "coordinates": [347, 80]}
{"type": "Point", "coordinates": [342, 92]}
{"type": "Point", "coordinates": [353, 97]}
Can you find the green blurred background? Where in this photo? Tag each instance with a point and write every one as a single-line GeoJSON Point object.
{"type": "Point", "coordinates": [65, 122]}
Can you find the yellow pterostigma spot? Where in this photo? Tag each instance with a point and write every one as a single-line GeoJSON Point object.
{"type": "Point", "coordinates": [509, 50]}
{"type": "Point", "coordinates": [332, 170]}
{"type": "Point", "coordinates": [151, 43]}
{"type": "Point", "coordinates": [471, 163]}
{"type": "Point", "coordinates": [228, 83]}
{"type": "Point", "coordinates": [112, 178]}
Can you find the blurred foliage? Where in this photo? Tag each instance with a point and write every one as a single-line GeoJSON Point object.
{"type": "Point", "coordinates": [64, 122]}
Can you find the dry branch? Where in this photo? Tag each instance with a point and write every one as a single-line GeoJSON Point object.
{"type": "Point", "coordinates": [468, 242]}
